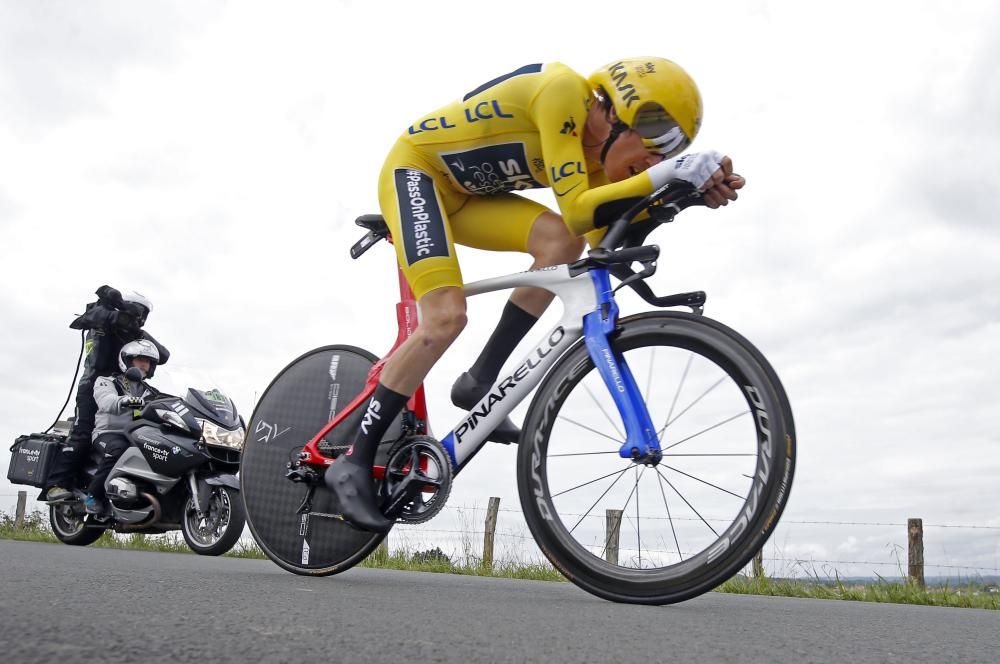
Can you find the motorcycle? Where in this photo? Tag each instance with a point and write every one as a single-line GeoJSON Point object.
{"type": "Point", "coordinates": [179, 473]}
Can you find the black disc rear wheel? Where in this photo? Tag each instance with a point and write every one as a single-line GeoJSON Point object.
{"type": "Point", "coordinates": [306, 395]}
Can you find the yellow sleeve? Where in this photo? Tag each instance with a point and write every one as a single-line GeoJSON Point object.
{"type": "Point", "coordinates": [561, 99]}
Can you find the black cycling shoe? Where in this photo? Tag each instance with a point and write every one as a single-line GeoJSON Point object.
{"type": "Point", "coordinates": [355, 493]}
{"type": "Point", "coordinates": [466, 393]}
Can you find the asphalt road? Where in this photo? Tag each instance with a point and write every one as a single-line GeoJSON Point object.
{"type": "Point", "coordinates": [64, 604]}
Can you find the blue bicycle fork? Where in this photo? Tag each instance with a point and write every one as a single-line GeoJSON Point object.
{"type": "Point", "coordinates": [641, 442]}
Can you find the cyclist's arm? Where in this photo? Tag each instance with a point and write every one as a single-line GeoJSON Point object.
{"type": "Point", "coordinates": [579, 201]}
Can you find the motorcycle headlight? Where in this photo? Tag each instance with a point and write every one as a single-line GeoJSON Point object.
{"type": "Point", "coordinates": [216, 435]}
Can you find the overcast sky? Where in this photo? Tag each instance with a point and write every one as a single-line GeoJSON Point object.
{"type": "Point", "coordinates": [213, 156]}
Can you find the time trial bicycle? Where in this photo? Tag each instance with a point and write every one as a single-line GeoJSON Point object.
{"type": "Point", "coordinates": [655, 458]}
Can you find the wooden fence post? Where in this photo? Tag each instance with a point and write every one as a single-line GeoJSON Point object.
{"type": "Point", "coordinates": [22, 500]}
{"type": "Point", "coordinates": [613, 526]}
{"type": "Point", "coordinates": [915, 537]}
{"type": "Point", "coordinates": [758, 565]}
{"type": "Point", "coordinates": [490, 531]}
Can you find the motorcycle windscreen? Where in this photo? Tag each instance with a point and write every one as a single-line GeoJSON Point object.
{"type": "Point", "coordinates": [214, 405]}
{"type": "Point", "coordinates": [304, 397]}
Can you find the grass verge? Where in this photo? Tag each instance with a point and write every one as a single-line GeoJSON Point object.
{"type": "Point", "coordinates": [435, 560]}
{"type": "Point", "coordinates": [36, 529]}
{"type": "Point", "coordinates": [970, 596]}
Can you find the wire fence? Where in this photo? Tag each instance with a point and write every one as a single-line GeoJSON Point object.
{"type": "Point", "coordinates": [941, 563]}
{"type": "Point", "coordinates": [785, 521]}
{"type": "Point", "coordinates": [466, 537]}
{"type": "Point", "coordinates": [787, 561]}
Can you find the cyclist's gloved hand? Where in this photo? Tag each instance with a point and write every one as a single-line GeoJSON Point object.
{"type": "Point", "coordinates": [128, 402]}
{"type": "Point", "coordinates": [710, 172]}
{"type": "Point", "coordinates": [723, 192]}
{"type": "Point", "coordinates": [698, 168]}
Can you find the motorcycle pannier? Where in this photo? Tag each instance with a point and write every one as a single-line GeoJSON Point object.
{"type": "Point", "coordinates": [32, 458]}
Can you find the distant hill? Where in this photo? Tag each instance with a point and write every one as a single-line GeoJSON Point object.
{"type": "Point", "coordinates": [930, 581]}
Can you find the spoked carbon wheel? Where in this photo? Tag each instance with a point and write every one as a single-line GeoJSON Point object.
{"type": "Point", "coordinates": [306, 395]}
{"type": "Point", "coordinates": [661, 532]}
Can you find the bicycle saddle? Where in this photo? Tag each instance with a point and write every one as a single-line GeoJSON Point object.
{"type": "Point", "coordinates": [373, 222]}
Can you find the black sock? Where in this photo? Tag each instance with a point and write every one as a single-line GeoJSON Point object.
{"type": "Point", "coordinates": [514, 324]}
{"type": "Point", "coordinates": [377, 416]}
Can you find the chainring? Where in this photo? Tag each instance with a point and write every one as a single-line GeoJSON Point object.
{"type": "Point", "coordinates": [417, 481]}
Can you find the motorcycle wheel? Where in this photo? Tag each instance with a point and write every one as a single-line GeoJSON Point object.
{"type": "Point", "coordinates": [71, 528]}
{"type": "Point", "coordinates": [221, 526]}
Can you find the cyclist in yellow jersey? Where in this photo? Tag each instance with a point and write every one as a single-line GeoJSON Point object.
{"type": "Point", "coordinates": [452, 177]}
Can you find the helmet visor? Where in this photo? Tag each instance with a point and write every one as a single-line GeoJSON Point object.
{"type": "Point", "coordinates": [145, 356]}
{"type": "Point", "coordinates": [660, 132]}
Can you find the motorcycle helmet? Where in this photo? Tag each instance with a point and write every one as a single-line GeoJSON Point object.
{"type": "Point", "coordinates": [138, 348]}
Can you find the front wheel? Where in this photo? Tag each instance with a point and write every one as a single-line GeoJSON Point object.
{"type": "Point", "coordinates": [659, 532]}
{"type": "Point", "coordinates": [220, 525]}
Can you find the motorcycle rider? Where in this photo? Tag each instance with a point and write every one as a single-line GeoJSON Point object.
{"type": "Point", "coordinates": [113, 321]}
{"type": "Point", "coordinates": [117, 397]}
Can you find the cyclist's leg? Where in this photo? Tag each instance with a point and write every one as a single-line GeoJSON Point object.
{"type": "Point", "coordinates": [510, 223]}
{"type": "Point", "coordinates": [442, 319]}
{"type": "Point", "coordinates": [415, 213]}
{"type": "Point", "coordinates": [419, 215]}
{"type": "Point", "coordinates": [550, 243]}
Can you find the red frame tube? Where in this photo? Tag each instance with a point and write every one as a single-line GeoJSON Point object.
{"type": "Point", "coordinates": [407, 322]}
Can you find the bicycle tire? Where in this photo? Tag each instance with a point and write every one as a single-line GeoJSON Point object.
{"type": "Point", "coordinates": [768, 414]}
{"type": "Point", "coordinates": [302, 398]}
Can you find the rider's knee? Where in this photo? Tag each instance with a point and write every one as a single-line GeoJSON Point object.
{"type": "Point", "coordinates": [442, 323]}
{"type": "Point", "coordinates": [573, 248]}
{"type": "Point", "coordinates": [551, 242]}
{"type": "Point", "coordinates": [445, 330]}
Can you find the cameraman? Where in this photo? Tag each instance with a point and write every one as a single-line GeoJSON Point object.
{"type": "Point", "coordinates": [111, 322]}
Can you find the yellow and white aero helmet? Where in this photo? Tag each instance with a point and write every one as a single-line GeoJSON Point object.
{"type": "Point", "coordinates": [653, 96]}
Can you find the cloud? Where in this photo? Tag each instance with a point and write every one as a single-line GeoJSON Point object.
{"type": "Point", "coordinates": [59, 59]}
{"type": "Point", "coordinates": [848, 546]}
{"type": "Point", "coordinates": [8, 210]}
{"type": "Point", "coordinates": [161, 147]}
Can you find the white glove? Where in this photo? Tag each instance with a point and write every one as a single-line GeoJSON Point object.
{"type": "Point", "coordinates": [696, 168]}
{"type": "Point", "coordinates": [128, 403]}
